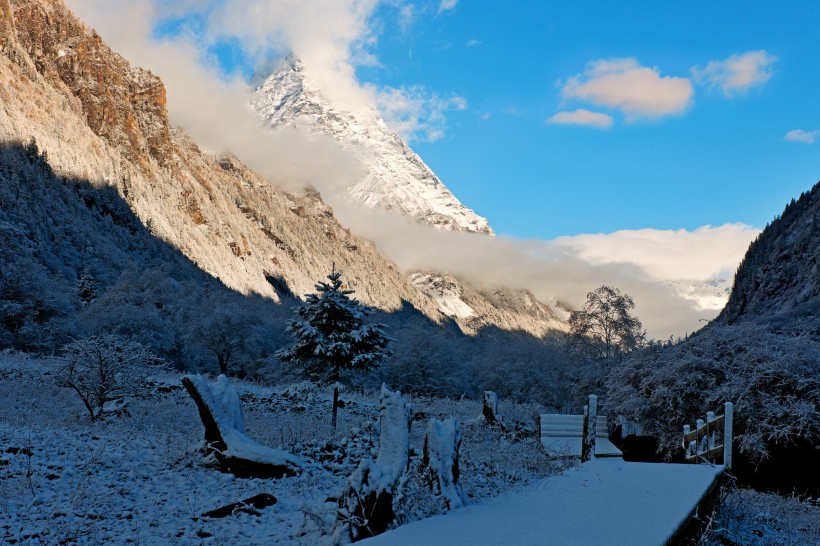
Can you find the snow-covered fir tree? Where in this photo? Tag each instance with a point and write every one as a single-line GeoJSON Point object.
{"type": "Point", "coordinates": [330, 336]}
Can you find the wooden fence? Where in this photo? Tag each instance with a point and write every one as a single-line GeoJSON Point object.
{"type": "Point", "coordinates": [712, 439]}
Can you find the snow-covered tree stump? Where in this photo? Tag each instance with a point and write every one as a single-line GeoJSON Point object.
{"type": "Point", "coordinates": [221, 412]}
{"type": "Point", "coordinates": [490, 409]}
{"type": "Point", "coordinates": [366, 503]}
{"type": "Point", "coordinates": [440, 460]}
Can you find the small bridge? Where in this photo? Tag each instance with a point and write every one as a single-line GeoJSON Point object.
{"type": "Point", "coordinates": [603, 501]}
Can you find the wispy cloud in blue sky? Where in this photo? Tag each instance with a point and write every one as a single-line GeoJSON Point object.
{"type": "Point", "coordinates": [802, 136]}
{"type": "Point", "coordinates": [582, 116]}
{"type": "Point", "coordinates": [738, 73]}
{"type": "Point", "coordinates": [447, 5]}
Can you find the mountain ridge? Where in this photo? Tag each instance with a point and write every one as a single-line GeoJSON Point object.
{"type": "Point", "coordinates": [99, 119]}
{"type": "Point", "coordinates": [396, 177]}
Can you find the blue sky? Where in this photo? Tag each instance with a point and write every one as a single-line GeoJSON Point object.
{"type": "Point", "coordinates": [486, 77]}
{"type": "Point", "coordinates": [555, 120]}
{"type": "Point", "coordinates": [723, 159]}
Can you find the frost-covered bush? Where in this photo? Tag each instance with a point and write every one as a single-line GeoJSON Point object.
{"type": "Point", "coordinates": [772, 379]}
{"type": "Point", "coordinates": [103, 369]}
{"type": "Point", "coordinates": [749, 517]}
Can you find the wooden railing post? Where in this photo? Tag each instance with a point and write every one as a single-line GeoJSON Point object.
{"type": "Point", "coordinates": [585, 436]}
{"type": "Point", "coordinates": [728, 415]}
{"type": "Point", "coordinates": [592, 423]}
{"type": "Point", "coordinates": [711, 435]}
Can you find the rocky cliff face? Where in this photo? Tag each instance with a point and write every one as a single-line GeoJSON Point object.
{"type": "Point", "coordinates": [780, 273]}
{"type": "Point", "coordinates": [396, 178]}
{"type": "Point", "coordinates": [124, 105]}
{"type": "Point", "coordinates": [101, 120]}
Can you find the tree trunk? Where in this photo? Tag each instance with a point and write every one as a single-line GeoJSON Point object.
{"type": "Point", "coordinates": [335, 408]}
{"type": "Point", "coordinates": [223, 363]}
{"type": "Point", "coordinates": [490, 409]}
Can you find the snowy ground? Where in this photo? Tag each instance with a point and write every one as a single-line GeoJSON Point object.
{"type": "Point", "coordinates": [140, 479]}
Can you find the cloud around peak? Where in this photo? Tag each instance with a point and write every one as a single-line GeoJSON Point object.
{"type": "Point", "coordinates": [624, 84]}
{"type": "Point", "coordinates": [737, 73]}
{"type": "Point", "coordinates": [415, 112]}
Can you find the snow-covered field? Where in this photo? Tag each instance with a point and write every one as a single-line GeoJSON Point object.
{"type": "Point", "coordinates": [140, 478]}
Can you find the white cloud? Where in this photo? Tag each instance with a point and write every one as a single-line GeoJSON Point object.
{"type": "Point", "coordinates": [799, 135]}
{"type": "Point", "coordinates": [705, 253]}
{"type": "Point", "coordinates": [582, 117]}
{"type": "Point", "coordinates": [738, 73]}
{"type": "Point", "coordinates": [407, 16]}
{"type": "Point", "coordinates": [473, 42]}
{"type": "Point", "coordinates": [567, 268]}
{"type": "Point", "coordinates": [331, 37]}
{"type": "Point", "coordinates": [415, 112]}
{"type": "Point", "coordinates": [447, 5]}
{"type": "Point", "coordinates": [638, 91]}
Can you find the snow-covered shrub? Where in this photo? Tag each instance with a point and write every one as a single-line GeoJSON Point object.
{"type": "Point", "coordinates": [771, 378]}
{"type": "Point", "coordinates": [103, 369]}
{"type": "Point", "coordinates": [750, 517]}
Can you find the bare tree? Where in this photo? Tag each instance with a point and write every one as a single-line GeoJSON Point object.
{"type": "Point", "coordinates": [604, 327]}
{"type": "Point", "coordinates": [103, 369]}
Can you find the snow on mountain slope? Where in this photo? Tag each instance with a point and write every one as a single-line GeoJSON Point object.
{"type": "Point", "coordinates": [396, 177]}
{"type": "Point", "coordinates": [475, 306]}
{"type": "Point", "coordinates": [707, 295]}
{"type": "Point", "coordinates": [104, 121]}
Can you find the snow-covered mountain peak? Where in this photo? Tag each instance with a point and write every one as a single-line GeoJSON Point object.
{"type": "Point", "coordinates": [396, 177]}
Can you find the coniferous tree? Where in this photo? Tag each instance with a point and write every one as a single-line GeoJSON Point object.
{"type": "Point", "coordinates": [331, 337]}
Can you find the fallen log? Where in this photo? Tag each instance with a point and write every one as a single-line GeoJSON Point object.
{"type": "Point", "coordinates": [221, 412]}
{"type": "Point", "coordinates": [251, 505]}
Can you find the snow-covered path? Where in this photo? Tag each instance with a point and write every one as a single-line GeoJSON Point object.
{"type": "Point", "coordinates": [605, 501]}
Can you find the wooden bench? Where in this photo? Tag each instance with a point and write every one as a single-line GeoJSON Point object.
{"type": "Point", "coordinates": [221, 412]}
{"type": "Point", "coordinates": [563, 435]}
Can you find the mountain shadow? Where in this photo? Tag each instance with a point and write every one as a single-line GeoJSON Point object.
{"type": "Point", "coordinates": [76, 260]}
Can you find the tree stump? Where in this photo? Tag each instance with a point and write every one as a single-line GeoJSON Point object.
{"type": "Point", "coordinates": [366, 503]}
{"type": "Point", "coordinates": [440, 460]}
{"type": "Point", "coordinates": [221, 412]}
{"type": "Point", "coordinates": [489, 411]}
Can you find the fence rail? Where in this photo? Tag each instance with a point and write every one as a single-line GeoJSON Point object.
{"type": "Point", "coordinates": [711, 440]}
